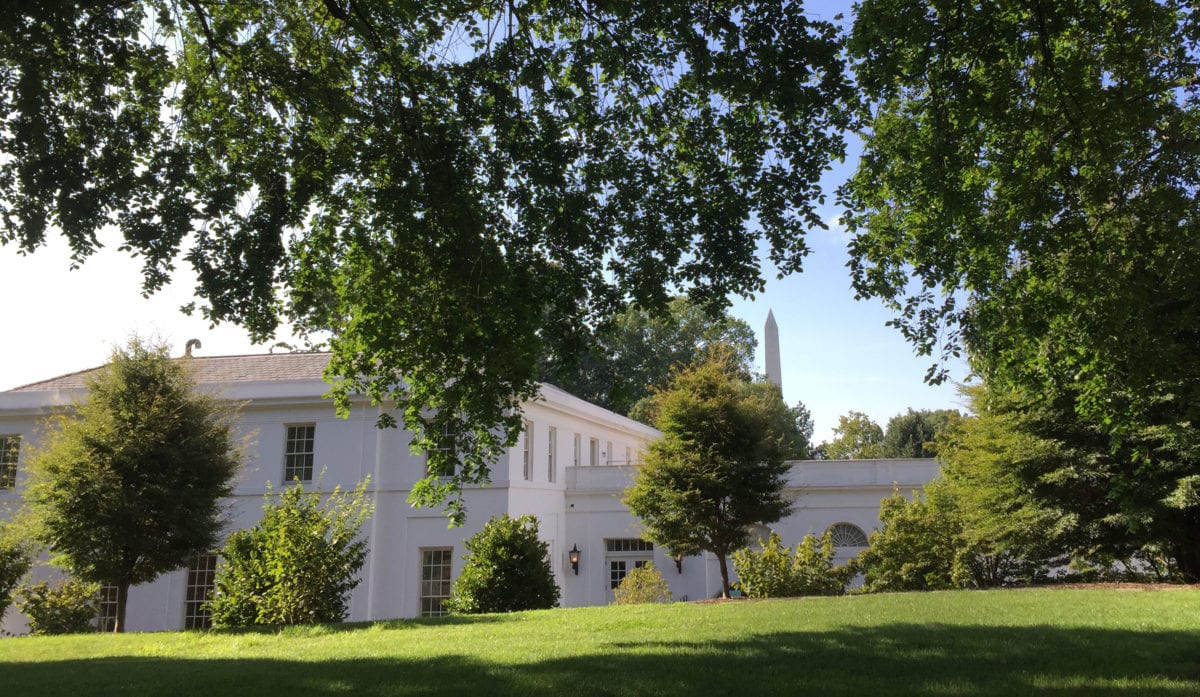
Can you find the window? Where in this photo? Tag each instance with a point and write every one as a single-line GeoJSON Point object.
{"type": "Point", "coordinates": [200, 583]}
{"type": "Point", "coordinates": [443, 445]}
{"type": "Point", "coordinates": [847, 535]}
{"type": "Point", "coordinates": [578, 450]}
{"type": "Point", "coordinates": [528, 455]}
{"type": "Point", "coordinates": [625, 554]}
{"type": "Point", "coordinates": [435, 580]}
{"type": "Point", "coordinates": [551, 460]}
{"type": "Point", "coordinates": [628, 455]}
{"type": "Point", "coordinates": [106, 609]}
{"type": "Point", "coordinates": [593, 452]}
{"type": "Point", "coordinates": [10, 449]}
{"type": "Point", "coordinates": [298, 453]}
{"type": "Point", "coordinates": [608, 459]}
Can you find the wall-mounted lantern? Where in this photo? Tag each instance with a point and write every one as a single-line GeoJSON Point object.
{"type": "Point", "coordinates": [573, 555]}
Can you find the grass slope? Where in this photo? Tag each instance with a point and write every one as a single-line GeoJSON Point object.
{"type": "Point", "coordinates": [1059, 642]}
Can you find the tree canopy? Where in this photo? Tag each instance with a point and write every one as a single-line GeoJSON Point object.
{"type": "Point", "coordinates": [1036, 166]}
{"type": "Point", "coordinates": [128, 483]}
{"type": "Point", "coordinates": [446, 188]}
{"type": "Point", "coordinates": [635, 354]}
{"type": "Point", "coordinates": [915, 432]}
{"type": "Point", "coordinates": [718, 467]}
{"type": "Point", "coordinates": [856, 437]}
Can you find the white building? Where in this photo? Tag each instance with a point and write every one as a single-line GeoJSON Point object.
{"type": "Point", "coordinates": [569, 469]}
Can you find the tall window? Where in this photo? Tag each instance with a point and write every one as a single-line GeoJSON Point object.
{"type": "Point", "coordinates": [551, 459]}
{"type": "Point", "coordinates": [578, 450]}
{"type": "Point", "coordinates": [443, 445]}
{"type": "Point", "coordinates": [199, 589]}
{"type": "Point", "coordinates": [593, 452]}
{"type": "Point", "coordinates": [435, 580]}
{"type": "Point", "coordinates": [628, 455]}
{"type": "Point", "coordinates": [527, 439]}
{"type": "Point", "coordinates": [298, 453]}
{"type": "Point", "coordinates": [608, 454]}
{"type": "Point", "coordinates": [10, 449]}
{"type": "Point", "coordinates": [106, 609]}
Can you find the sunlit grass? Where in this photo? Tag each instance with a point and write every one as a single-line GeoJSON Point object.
{"type": "Point", "coordinates": [1061, 642]}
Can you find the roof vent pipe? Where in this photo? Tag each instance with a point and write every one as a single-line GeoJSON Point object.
{"type": "Point", "coordinates": [191, 344]}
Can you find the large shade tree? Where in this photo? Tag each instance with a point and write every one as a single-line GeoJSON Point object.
{"type": "Point", "coordinates": [1036, 165]}
{"type": "Point", "coordinates": [637, 352]}
{"type": "Point", "coordinates": [718, 467]}
{"type": "Point", "coordinates": [448, 188]}
{"type": "Point", "coordinates": [128, 482]}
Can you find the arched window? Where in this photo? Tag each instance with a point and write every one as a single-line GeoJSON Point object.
{"type": "Point", "coordinates": [847, 535]}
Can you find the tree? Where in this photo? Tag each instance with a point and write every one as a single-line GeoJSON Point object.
{"type": "Point", "coordinates": [856, 437]}
{"type": "Point", "coordinates": [914, 433]}
{"type": "Point", "coordinates": [718, 467]}
{"type": "Point", "coordinates": [915, 547]}
{"type": "Point", "coordinates": [507, 570]}
{"type": "Point", "coordinates": [638, 351]}
{"type": "Point", "coordinates": [129, 482]}
{"type": "Point", "coordinates": [1059, 247]}
{"type": "Point", "coordinates": [449, 189]}
{"type": "Point", "coordinates": [801, 446]}
{"type": "Point", "coordinates": [298, 564]}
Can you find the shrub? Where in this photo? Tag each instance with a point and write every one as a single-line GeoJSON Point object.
{"type": "Point", "coordinates": [642, 585]}
{"type": "Point", "coordinates": [14, 564]}
{"type": "Point", "coordinates": [66, 608]}
{"type": "Point", "coordinates": [916, 547]}
{"type": "Point", "coordinates": [298, 565]}
{"type": "Point", "coordinates": [777, 571]}
{"type": "Point", "coordinates": [507, 569]}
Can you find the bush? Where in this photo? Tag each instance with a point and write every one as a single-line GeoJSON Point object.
{"type": "Point", "coordinates": [642, 585]}
{"type": "Point", "coordinates": [777, 571]}
{"type": "Point", "coordinates": [298, 565]}
{"type": "Point", "coordinates": [14, 564]}
{"type": "Point", "coordinates": [66, 608]}
{"type": "Point", "coordinates": [507, 569]}
{"type": "Point", "coordinates": [918, 546]}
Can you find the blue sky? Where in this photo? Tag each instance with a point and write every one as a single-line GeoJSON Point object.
{"type": "Point", "coordinates": [837, 355]}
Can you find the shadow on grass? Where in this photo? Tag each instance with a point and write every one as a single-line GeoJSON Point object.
{"type": "Point", "coordinates": [892, 660]}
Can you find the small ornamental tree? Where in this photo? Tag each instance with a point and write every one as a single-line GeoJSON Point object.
{"type": "Point", "coordinates": [129, 482]}
{"type": "Point", "coordinates": [643, 584]}
{"type": "Point", "coordinates": [718, 467]}
{"type": "Point", "coordinates": [507, 570]}
{"type": "Point", "coordinates": [915, 547]}
{"type": "Point", "coordinates": [298, 565]}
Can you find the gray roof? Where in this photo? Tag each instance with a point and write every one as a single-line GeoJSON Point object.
{"type": "Point", "coordinates": [216, 370]}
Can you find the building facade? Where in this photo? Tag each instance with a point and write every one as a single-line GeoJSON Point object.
{"type": "Point", "coordinates": [569, 468]}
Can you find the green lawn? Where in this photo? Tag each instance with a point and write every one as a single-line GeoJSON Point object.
{"type": "Point", "coordinates": [1060, 642]}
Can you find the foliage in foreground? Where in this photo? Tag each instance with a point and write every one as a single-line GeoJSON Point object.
{"type": "Point", "coordinates": [68, 607]}
{"type": "Point", "coordinates": [718, 467]}
{"type": "Point", "coordinates": [298, 565]}
{"type": "Point", "coordinates": [643, 584]}
{"type": "Point", "coordinates": [1061, 250]}
{"type": "Point", "coordinates": [776, 571]}
{"type": "Point", "coordinates": [540, 162]}
{"type": "Point", "coordinates": [128, 483]}
{"type": "Point", "coordinates": [507, 570]}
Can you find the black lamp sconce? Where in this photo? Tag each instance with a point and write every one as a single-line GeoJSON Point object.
{"type": "Point", "coordinates": [679, 563]}
{"type": "Point", "coordinates": [573, 555]}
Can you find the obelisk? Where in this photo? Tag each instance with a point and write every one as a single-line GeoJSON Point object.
{"type": "Point", "coordinates": [771, 347]}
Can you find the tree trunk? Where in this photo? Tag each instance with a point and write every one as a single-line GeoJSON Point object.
{"type": "Point", "coordinates": [724, 574]}
{"type": "Point", "coordinates": [122, 604]}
